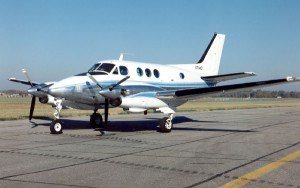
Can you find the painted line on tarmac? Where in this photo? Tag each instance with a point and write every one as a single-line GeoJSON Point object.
{"type": "Point", "coordinates": [243, 180]}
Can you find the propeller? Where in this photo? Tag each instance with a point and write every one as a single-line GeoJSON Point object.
{"type": "Point", "coordinates": [106, 110]}
{"type": "Point", "coordinates": [118, 83]}
{"type": "Point", "coordinates": [110, 88]}
{"type": "Point", "coordinates": [94, 80]}
{"type": "Point", "coordinates": [32, 107]}
{"type": "Point", "coordinates": [27, 77]}
{"type": "Point", "coordinates": [33, 97]}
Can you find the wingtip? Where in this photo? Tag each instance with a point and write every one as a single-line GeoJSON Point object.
{"type": "Point", "coordinates": [293, 79]}
{"type": "Point", "coordinates": [251, 73]}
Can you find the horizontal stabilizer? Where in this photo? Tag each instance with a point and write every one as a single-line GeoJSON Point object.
{"type": "Point", "coordinates": [225, 77]}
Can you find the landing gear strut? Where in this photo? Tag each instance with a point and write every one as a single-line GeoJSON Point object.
{"type": "Point", "coordinates": [166, 124]}
{"type": "Point", "coordinates": [56, 125]}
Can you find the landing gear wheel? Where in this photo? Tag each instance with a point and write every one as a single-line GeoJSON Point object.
{"type": "Point", "coordinates": [96, 121]}
{"type": "Point", "coordinates": [56, 126]}
{"type": "Point", "coordinates": [165, 125]}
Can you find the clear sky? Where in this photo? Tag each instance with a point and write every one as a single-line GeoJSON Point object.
{"type": "Point", "coordinates": [54, 39]}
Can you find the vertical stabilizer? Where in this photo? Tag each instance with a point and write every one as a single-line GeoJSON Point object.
{"type": "Point", "coordinates": [211, 58]}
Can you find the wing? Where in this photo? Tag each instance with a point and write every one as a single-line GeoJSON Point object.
{"type": "Point", "coordinates": [225, 77]}
{"type": "Point", "coordinates": [211, 91]}
{"type": "Point", "coordinates": [23, 81]}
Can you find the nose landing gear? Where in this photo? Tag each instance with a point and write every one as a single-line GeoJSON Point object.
{"type": "Point", "coordinates": [56, 125]}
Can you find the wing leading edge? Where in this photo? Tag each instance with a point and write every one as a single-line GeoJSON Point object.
{"type": "Point", "coordinates": [210, 91]}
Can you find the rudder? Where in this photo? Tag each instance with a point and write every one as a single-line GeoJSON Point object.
{"type": "Point", "coordinates": [211, 58]}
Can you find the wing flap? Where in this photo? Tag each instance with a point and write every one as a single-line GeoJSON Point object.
{"type": "Point", "coordinates": [225, 77]}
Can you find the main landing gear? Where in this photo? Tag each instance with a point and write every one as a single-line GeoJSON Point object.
{"type": "Point", "coordinates": [166, 124]}
{"type": "Point", "coordinates": [96, 121]}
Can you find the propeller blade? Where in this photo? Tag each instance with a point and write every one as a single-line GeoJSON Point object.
{"type": "Point", "coordinates": [106, 110]}
{"type": "Point", "coordinates": [94, 80]}
{"type": "Point", "coordinates": [27, 76]}
{"type": "Point", "coordinates": [118, 83]}
{"type": "Point", "coordinates": [32, 107]}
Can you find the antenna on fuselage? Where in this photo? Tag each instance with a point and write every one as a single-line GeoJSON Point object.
{"type": "Point", "coordinates": [121, 57]}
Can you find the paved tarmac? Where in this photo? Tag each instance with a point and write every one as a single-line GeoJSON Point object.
{"type": "Point", "coordinates": [205, 149]}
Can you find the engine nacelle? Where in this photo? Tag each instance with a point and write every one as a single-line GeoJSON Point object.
{"type": "Point", "coordinates": [142, 103]}
{"type": "Point", "coordinates": [115, 93]}
{"type": "Point", "coordinates": [47, 100]}
{"type": "Point", "coordinates": [115, 102]}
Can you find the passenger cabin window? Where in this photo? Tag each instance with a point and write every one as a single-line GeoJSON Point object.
{"type": "Point", "coordinates": [116, 71]}
{"type": "Point", "coordinates": [139, 71]}
{"type": "Point", "coordinates": [156, 73]}
{"type": "Point", "coordinates": [181, 75]}
{"type": "Point", "coordinates": [123, 70]}
{"type": "Point", "coordinates": [148, 72]}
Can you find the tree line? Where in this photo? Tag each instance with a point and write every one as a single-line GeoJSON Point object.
{"type": "Point", "coordinates": [242, 94]}
{"type": "Point", "coordinates": [262, 94]}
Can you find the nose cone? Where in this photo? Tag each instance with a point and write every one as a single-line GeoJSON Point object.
{"type": "Point", "coordinates": [32, 91]}
{"type": "Point", "coordinates": [36, 92]}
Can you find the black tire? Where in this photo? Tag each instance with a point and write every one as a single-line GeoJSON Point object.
{"type": "Point", "coordinates": [96, 121]}
{"type": "Point", "coordinates": [56, 126]}
{"type": "Point", "coordinates": [165, 125]}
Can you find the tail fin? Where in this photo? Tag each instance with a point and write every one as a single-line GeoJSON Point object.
{"type": "Point", "coordinates": [211, 58]}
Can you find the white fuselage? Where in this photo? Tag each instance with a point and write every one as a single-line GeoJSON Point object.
{"type": "Point", "coordinates": [144, 77]}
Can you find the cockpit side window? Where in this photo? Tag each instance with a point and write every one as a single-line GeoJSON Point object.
{"type": "Point", "coordinates": [105, 67]}
{"type": "Point", "coordinates": [123, 70]}
{"type": "Point", "coordinates": [116, 71]}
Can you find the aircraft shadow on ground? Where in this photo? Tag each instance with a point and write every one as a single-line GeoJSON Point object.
{"type": "Point", "coordinates": [149, 124]}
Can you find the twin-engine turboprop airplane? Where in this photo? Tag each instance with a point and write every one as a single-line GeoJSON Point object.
{"type": "Point", "coordinates": [138, 87]}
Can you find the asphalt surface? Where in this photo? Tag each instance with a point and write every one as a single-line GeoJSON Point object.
{"type": "Point", "coordinates": [205, 149]}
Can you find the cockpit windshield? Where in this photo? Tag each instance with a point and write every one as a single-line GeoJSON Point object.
{"type": "Point", "coordinates": [94, 67]}
{"type": "Point", "coordinates": [104, 67]}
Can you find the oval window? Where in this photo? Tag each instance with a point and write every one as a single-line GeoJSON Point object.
{"type": "Point", "coordinates": [148, 72]}
{"type": "Point", "coordinates": [181, 75]}
{"type": "Point", "coordinates": [156, 73]}
{"type": "Point", "coordinates": [139, 71]}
